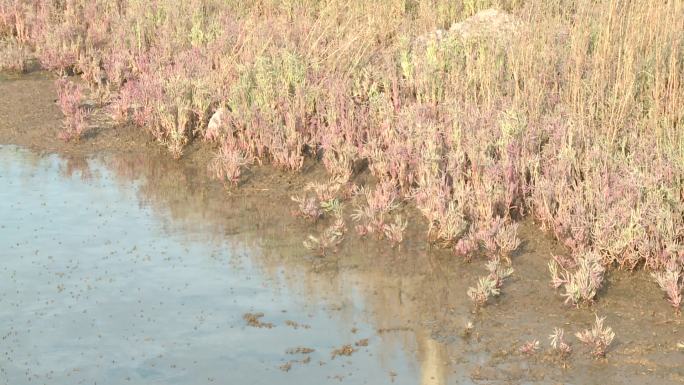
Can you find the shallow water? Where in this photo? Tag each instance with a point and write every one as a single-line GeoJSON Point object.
{"type": "Point", "coordinates": [96, 288]}
{"type": "Point", "coordinates": [128, 268]}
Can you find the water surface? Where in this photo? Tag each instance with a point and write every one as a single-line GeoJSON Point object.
{"type": "Point", "coordinates": [96, 288]}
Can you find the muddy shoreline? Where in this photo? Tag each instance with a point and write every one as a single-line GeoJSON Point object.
{"type": "Point", "coordinates": [30, 118]}
{"type": "Point", "coordinates": [415, 295]}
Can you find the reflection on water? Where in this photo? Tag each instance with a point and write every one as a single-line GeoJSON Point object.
{"type": "Point", "coordinates": [129, 268]}
{"type": "Point", "coordinates": [110, 278]}
{"type": "Point", "coordinates": [433, 357]}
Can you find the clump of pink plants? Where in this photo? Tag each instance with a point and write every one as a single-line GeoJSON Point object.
{"type": "Point", "coordinates": [394, 231]}
{"type": "Point", "coordinates": [372, 215]}
{"type": "Point", "coordinates": [490, 285]}
{"type": "Point", "coordinates": [308, 207]}
{"type": "Point", "coordinates": [228, 164]}
{"type": "Point", "coordinates": [328, 240]}
{"type": "Point", "coordinates": [559, 344]}
{"type": "Point", "coordinates": [598, 338]}
{"type": "Point", "coordinates": [70, 98]}
{"type": "Point", "coordinates": [671, 282]}
{"type": "Point", "coordinates": [581, 281]}
{"type": "Point", "coordinates": [14, 56]}
{"type": "Point", "coordinates": [329, 193]}
{"type": "Point", "coordinates": [530, 347]}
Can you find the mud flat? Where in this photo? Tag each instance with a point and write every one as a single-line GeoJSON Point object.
{"type": "Point", "coordinates": [121, 265]}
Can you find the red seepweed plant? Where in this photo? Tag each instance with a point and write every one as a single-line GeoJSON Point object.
{"type": "Point", "coordinates": [598, 338]}
{"type": "Point", "coordinates": [228, 164]}
{"type": "Point", "coordinates": [490, 285]}
{"type": "Point", "coordinates": [70, 98]}
{"type": "Point", "coordinates": [671, 282]}
{"type": "Point", "coordinates": [558, 343]}
{"type": "Point", "coordinates": [582, 284]}
{"type": "Point", "coordinates": [530, 347]}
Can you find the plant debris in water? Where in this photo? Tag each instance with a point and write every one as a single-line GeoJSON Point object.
{"type": "Point", "coordinates": [530, 347]}
{"type": "Point", "coordinates": [254, 320]}
{"type": "Point", "coordinates": [299, 350]}
{"type": "Point", "coordinates": [394, 329]}
{"type": "Point", "coordinates": [346, 350]}
{"type": "Point", "coordinates": [296, 325]}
